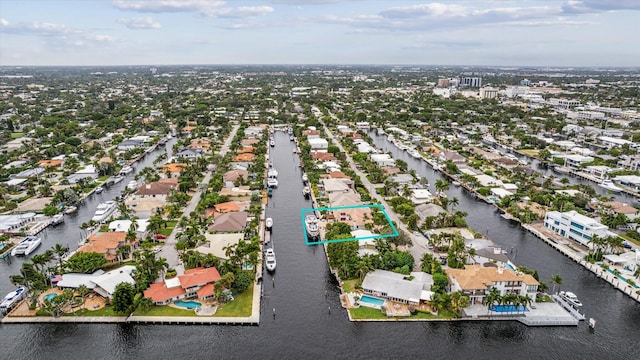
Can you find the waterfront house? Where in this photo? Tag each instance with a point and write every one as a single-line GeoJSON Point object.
{"type": "Point", "coordinates": [190, 154]}
{"type": "Point", "coordinates": [382, 159]}
{"type": "Point", "coordinates": [575, 226]}
{"type": "Point", "coordinates": [231, 176]}
{"type": "Point", "coordinates": [108, 244]}
{"type": "Point", "coordinates": [103, 283]}
{"type": "Point", "coordinates": [197, 282]}
{"type": "Point", "coordinates": [318, 144]}
{"type": "Point", "coordinates": [420, 196]}
{"type": "Point", "coordinates": [246, 157]}
{"type": "Point", "coordinates": [174, 169]}
{"type": "Point", "coordinates": [476, 282]}
{"type": "Point", "coordinates": [397, 287]}
{"type": "Point", "coordinates": [133, 143]}
{"type": "Point", "coordinates": [241, 193]}
{"type": "Point", "coordinates": [229, 222]}
{"type": "Point", "coordinates": [323, 156]}
{"type": "Point", "coordinates": [217, 244]}
{"type": "Point", "coordinates": [428, 210]}
{"type": "Point", "coordinates": [333, 186]}
{"type": "Point", "coordinates": [157, 189]}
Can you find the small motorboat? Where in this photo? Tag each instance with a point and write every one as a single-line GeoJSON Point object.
{"type": "Point", "coordinates": [272, 183]}
{"type": "Point", "coordinates": [99, 189]}
{"type": "Point", "coordinates": [306, 192]}
{"type": "Point", "coordinates": [571, 298]}
{"type": "Point", "coordinates": [270, 260]}
{"type": "Point", "coordinates": [305, 178]}
{"type": "Point", "coordinates": [268, 224]}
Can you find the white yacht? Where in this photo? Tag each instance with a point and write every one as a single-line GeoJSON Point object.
{"type": "Point", "coordinates": [99, 189]}
{"type": "Point", "coordinates": [270, 260]}
{"type": "Point", "coordinates": [272, 143]}
{"type": "Point", "coordinates": [272, 173]}
{"type": "Point", "coordinates": [126, 170]}
{"type": "Point", "coordinates": [57, 219]}
{"type": "Point", "coordinates": [103, 211]}
{"type": "Point", "coordinates": [269, 224]}
{"type": "Point", "coordinates": [414, 153]}
{"type": "Point", "coordinates": [70, 209]}
{"type": "Point", "coordinates": [26, 246]}
{"type": "Point", "coordinates": [272, 183]}
{"type": "Point", "coordinates": [570, 297]}
{"type": "Point", "coordinates": [306, 192]}
{"type": "Point", "coordinates": [12, 299]}
{"type": "Point", "coordinates": [610, 186]}
{"type": "Point", "coordinates": [291, 138]}
{"type": "Point", "coordinates": [132, 185]}
{"type": "Point", "coordinates": [311, 223]}
{"type": "Point", "coordinates": [305, 178]}
{"type": "Point", "coordinates": [117, 179]}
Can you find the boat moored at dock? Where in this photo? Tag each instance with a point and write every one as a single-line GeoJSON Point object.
{"type": "Point", "coordinates": [268, 224]}
{"type": "Point", "coordinates": [103, 211]}
{"type": "Point", "coordinates": [270, 260]}
{"type": "Point", "coordinates": [311, 224]}
{"type": "Point", "coordinates": [26, 246]}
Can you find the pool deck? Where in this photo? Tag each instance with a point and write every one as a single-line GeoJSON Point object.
{"type": "Point", "coordinates": [254, 319]}
{"type": "Point", "coordinates": [539, 314]}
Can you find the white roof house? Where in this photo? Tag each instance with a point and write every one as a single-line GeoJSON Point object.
{"type": "Point", "coordinates": [395, 287]}
{"type": "Point", "coordinates": [124, 225]}
{"type": "Point", "coordinates": [421, 196]}
{"type": "Point", "coordinates": [107, 282]}
{"type": "Point", "coordinates": [500, 192]}
{"type": "Point", "coordinates": [487, 180]}
{"type": "Point", "coordinates": [318, 143]}
{"type": "Point", "coordinates": [365, 148]}
{"type": "Point", "coordinates": [382, 159]}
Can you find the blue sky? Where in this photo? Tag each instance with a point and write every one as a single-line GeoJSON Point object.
{"type": "Point", "coordinates": [159, 32]}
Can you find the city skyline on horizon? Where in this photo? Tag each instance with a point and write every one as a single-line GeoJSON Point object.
{"type": "Point", "coordinates": [490, 33]}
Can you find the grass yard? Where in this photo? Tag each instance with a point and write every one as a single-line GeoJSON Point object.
{"type": "Point", "coordinates": [239, 307]}
{"type": "Point", "coordinates": [16, 135]}
{"type": "Point", "coordinates": [165, 310]}
{"type": "Point", "coordinates": [366, 313]}
{"type": "Point", "coordinates": [349, 285]}
{"type": "Point", "coordinates": [105, 311]}
{"type": "Point", "coordinates": [170, 226]}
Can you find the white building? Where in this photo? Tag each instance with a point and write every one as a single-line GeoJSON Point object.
{"type": "Point", "coordinates": [382, 159]}
{"type": "Point", "coordinates": [318, 143]}
{"type": "Point", "coordinates": [488, 93]}
{"type": "Point", "coordinates": [575, 226]}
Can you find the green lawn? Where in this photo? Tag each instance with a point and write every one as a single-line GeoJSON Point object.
{"type": "Point", "coordinates": [167, 231]}
{"type": "Point", "coordinates": [366, 313]}
{"type": "Point", "coordinates": [239, 307]}
{"type": "Point", "coordinates": [349, 285]}
{"type": "Point", "coordinates": [105, 311]}
{"type": "Point", "coordinates": [165, 310]}
{"type": "Point", "coordinates": [629, 239]}
{"type": "Point", "coordinates": [16, 135]}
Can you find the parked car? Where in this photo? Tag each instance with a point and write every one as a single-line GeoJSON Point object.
{"type": "Point", "coordinates": [626, 245]}
{"type": "Point", "coordinates": [160, 237]}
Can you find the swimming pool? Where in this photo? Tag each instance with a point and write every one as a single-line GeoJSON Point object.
{"type": "Point", "coordinates": [371, 300]}
{"type": "Point", "coordinates": [49, 296]}
{"type": "Point", "coordinates": [622, 278]}
{"type": "Point", "coordinates": [508, 308]}
{"type": "Point", "coordinates": [187, 304]}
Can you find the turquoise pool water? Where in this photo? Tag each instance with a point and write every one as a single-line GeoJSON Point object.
{"type": "Point", "coordinates": [49, 296]}
{"type": "Point", "coordinates": [372, 300]}
{"type": "Point", "coordinates": [508, 308]}
{"type": "Point", "coordinates": [187, 304]}
{"type": "Point", "coordinates": [622, 278]}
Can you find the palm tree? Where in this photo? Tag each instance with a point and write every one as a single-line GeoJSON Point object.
{"type": "Point", "coordinates": [83, 291]}
{"type": "Point", "coordinates": [454, 202]}
{"type": "Point", "coordinates": [60, 250]}
{"type": "Point", "coordinates": [557, 280]}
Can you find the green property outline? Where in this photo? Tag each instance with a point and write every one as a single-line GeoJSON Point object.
{"type": "Point", "coordinates": [380, 236]}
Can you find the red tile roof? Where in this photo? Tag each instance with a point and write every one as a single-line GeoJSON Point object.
{"type": "Point", "coordinates": [158, 292]}
{"type": "Point", "coordinates": [199, 277]}
{"type": "Point", "coordinates": [206, 290]}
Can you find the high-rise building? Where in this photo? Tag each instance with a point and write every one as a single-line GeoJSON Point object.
{"type": "Point", "coordinates": [488, 93]}
{"type": "Point", "coordinates": [471, 81]}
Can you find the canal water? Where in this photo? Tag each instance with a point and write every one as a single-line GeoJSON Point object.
{"type": "Point", "coordinates": [309, 321]}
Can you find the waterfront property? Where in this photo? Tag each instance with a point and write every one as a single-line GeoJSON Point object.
{"type": "Point", "coordinates": [575, 226]}
{"type": "Point", "coordinates": [397, 287]}
{"type": "Point", "coordinates": [197, 282]}
{"type": "Point", "coordinates": [476, 282]}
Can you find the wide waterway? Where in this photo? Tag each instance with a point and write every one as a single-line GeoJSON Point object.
{"type": "Point", "coordinates": [302, 291]}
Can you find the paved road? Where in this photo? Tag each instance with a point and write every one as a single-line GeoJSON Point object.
{"type": "Point", "coordinates": [420, 245]}
{"type": "Point", "coordinates": [169, 251]}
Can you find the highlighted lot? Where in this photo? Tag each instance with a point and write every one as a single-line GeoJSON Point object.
{"type": "Point", "coordinates": [347, 214]}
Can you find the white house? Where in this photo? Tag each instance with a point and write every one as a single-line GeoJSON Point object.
{"type": "Point", "coordinates": [575, 226]}
{"type": "Point", "coordinates": [318, 144]}
{"type": "Point", "coordinates": [476, 282]}
{"type": "Point", "coordinates": [382, 159]}
{"type": "Point", "coordinates": [420, 196]}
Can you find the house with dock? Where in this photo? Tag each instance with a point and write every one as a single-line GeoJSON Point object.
{"type": "Point", "coordinates": [476, 281]}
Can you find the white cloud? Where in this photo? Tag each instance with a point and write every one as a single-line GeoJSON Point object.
{"type": "Point", "coordinates": [240, 12]}
{"type": "Point", "coordinates": [55, 34]}
{"type": "Point", "coordinates": [145, 22]}
{"type": "Point", "coordinates": [160, 6]}
{"type": "Point", "coordinates": [209, 8]}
